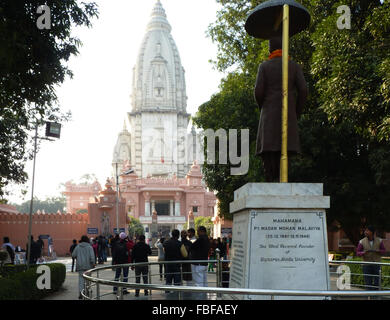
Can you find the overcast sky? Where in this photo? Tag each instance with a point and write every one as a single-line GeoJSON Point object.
{"type": "Point", "coordinates": [99, 94]}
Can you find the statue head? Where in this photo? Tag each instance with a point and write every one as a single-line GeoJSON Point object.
{"type": "Point", "coordinates": [275, 44]}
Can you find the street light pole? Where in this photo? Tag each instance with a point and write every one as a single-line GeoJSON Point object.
{"type": "Point", "coordinates": [32, 198]}
{"type": "Point", "coordinates": [284, 154]}
{"type": "Point", "coordinates": [52, 130]}
{"type": "Point", "coordinates": [117, 198]}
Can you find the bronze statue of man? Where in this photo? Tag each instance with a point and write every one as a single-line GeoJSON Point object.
{"type": "Point", "coordinates": [269, 97]}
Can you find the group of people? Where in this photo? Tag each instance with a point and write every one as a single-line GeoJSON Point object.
{"type": "Point", "coordinates": [222, 246]}
{"type": "Point", "coordinates": [189, 247]}
{"type": "Point", "coordinates": [123, 250]}
{"type": "Point", "coordinates": [17, 255]}
{"type": "Point", "coordinates": [100, 247]}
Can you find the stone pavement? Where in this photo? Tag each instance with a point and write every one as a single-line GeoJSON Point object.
{"type": "Point", "coordinates": [69, 290]}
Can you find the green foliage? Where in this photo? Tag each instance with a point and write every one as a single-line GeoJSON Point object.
{"type": "Point", "coordinates": [50, 205]}
{"type": "Point", "coordinates": [205, 222]}
{"type": "Point", "coordinates": [11, 289]}
{"type": "Point", "coordinates": [344, 131]}
{"type": "Point", "coordinates": [7, 270]}
{"type": "Point", "coordinates": [357, 278]}
{"type": "Point", "coordinates": [88, 178]}
{"type": "Point", "coordinates": [23, 285]}
{"type": "Point", "coordinates": [32, 64]}
{"type": "Point", "coordinates": [135, 227]}
{"type": "Point", "coordinates": [233, 107]}
{"type": "Point", "coordinates": [3, 257]}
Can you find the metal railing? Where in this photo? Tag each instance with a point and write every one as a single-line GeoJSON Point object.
{"type": "Point", "coordinates": [377, 278]}
{"type": "Point", "coordinates": [92, 287]}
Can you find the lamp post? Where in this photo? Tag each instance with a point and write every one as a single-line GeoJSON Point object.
{"type": "Point", "coordinates": [117, 190]}
{"type": "Point", "coordinates": [52, 130]}
{"type": "Point", "coordinates": [117, 197]}
{"type": "Point", "coordinates": [32, 198]}
{"type": "Point", "coordinates": [264, 22]}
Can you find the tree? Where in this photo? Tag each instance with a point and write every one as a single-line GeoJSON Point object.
{"type": "Point", "coordinates": [49, 205]}
{"type": "Point", "coordinates": [345, 126]}
{"type": "Point", "coordinates": [205, 222]}
{"type": "Point", "coordinates": [32, 64]}
{"type": "Point", "coordinates": [233, 107]}
{"type": "Point", "coordinates": [135, 227]}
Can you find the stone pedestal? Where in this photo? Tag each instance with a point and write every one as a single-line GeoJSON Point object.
{"type": "Point", "coordinates": [279, 238]}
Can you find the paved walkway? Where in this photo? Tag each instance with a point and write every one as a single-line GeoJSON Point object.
{"type": "Point", "coordinates": [69, 290]}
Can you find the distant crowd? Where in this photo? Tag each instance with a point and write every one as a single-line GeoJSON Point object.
{"type": "Point", "coordinates": [124, 250]}
{"type": "Point", "coordinates": [18, 255]}
{"type": "Point", "coordinates": [185, 245]}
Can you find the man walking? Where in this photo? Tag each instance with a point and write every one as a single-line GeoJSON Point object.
{"type": "Point", "coordinates": [140, 253]}
{"type": "Point", "coordinates": [120, 255]}
{"type": "Point", "coordinates": [85, 260]}
{"type": "Point", "coordinates": [172, 253]}
{"type": "Point", "coordinates": [371, 248]}
{"type": "Point", "coordinates": [191, 234]}
{"type": "Point", "coordinates": [186, 267]}
{"type": "Point", "coordinates": [199, 251]}
{"type": "Point", "coordinates": [72, 247]}
{"type": "Point", "coordinates": [35, 251]}
{"type": "Point", "coordinates": [41, 246]}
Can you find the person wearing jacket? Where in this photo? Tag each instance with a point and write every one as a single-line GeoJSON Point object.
{"type": "Point", "coordinates": [85, 260]}
{"type": "Point", "coordinates": [130, 245]}
{"type": "Point", "coordinates": [10, 249]}
{"type": "Point", "coordinates": [186, 267]}
{"type": "Point", "coordinates": [199, 250]}
{"type": "Point", "coordinates": [161, 257]}
{"type": "Point", "coordinates": [371, 248]}
{"type": "Point", "coordinates": [121, 255]}
{"type": "Point", "coordinates": [72, 247]}
{"type": "Point", "coordinates": [172, 253]}
{"type": "Point", "coordinates": [140, 253]}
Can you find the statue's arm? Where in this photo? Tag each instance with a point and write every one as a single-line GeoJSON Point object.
{"type": "Point", "coordinates": [301, 90]}
{"type": "Point", "coordinates": [260, 86]}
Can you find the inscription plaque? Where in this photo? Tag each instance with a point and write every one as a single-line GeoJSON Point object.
{"type": "Point", "coordinates": [279, 249]}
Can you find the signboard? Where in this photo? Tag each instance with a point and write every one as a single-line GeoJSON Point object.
{"type": "Point", "coordinates": [44, 236]}
{"type": "Point", "coordinates": [239, 254]}
{"type": "Point", "coordinates": [92, 231]}
{"type": "Point", "coordinates": [226, 231]}
{"type": "Point", "coordinates": [53, 129]}
{"type": "Point", "coordinates": [280, 249]}
{"type": "Point", "coordinates": [120, 230]}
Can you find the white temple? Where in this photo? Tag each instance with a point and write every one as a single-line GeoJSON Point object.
{"type": "Point", "coordinates": [158, 142]}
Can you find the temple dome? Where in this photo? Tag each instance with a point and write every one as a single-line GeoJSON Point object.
{"type": "Point", "coordinates": [158, 76]}
{"type": "Point", "coordinates": [122, 150]}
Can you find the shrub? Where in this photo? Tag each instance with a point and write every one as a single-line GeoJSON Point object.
{"type": "Point", "coordinates": [357, 278]}
{"type": "Point", "coordinates": [10, 289]}
{"type": "Point", "coordinates": [9, 269]}
{"type": "Point", "coordinates": [3, 256]}
{"type": "Point", "coordinates": [23, 285]}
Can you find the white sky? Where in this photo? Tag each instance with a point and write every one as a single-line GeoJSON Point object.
{"type": "Point", "coordinates": [99, 93]}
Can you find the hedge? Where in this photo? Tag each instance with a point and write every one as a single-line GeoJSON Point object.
{"type": "Point", "coordinates": [23, 285]}
{"type": "Point", "coordinates": [7, 270]}
{"type": "Point", "coordinates": [357, 274]}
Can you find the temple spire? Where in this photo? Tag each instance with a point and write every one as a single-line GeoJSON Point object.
{"type": "Point", "coordinates": [159, 18]}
